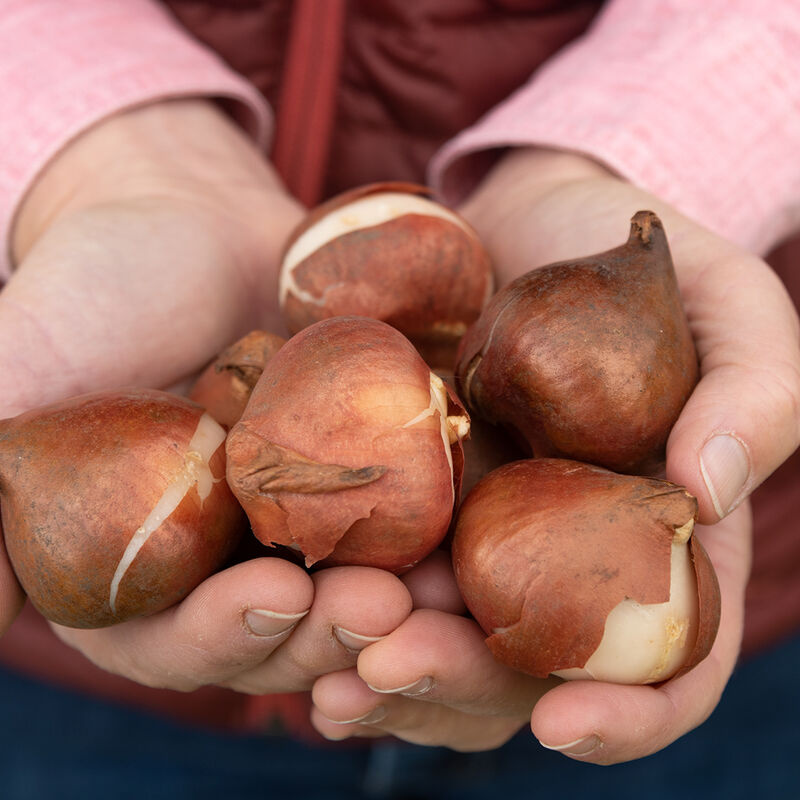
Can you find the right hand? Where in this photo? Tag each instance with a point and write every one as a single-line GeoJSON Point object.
{"type": "Point", "coordinates": [263, 626]}
{"type": "Point", "coordinates": [147, 245]}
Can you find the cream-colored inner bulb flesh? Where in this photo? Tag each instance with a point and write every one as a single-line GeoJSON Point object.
{"type": "Point", "coordinates": [208, 436]}
{"type": "Point", "coordinates": [648, 643]}
{"type": "Point", "coordinates": [374, 209]}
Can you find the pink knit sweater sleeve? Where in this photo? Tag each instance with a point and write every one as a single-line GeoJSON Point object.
{"type": "Point", "coordinates": [66, 65]}
{"type": "Point", "coordinates": [699, 103]}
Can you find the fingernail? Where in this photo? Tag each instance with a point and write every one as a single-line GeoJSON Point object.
{"type": "Point", "coordinates": [354, 641]}
{"type": "Point", "coordinates": [580, 747]}
{"type": "Point", "coordinates": [270, 624]}
{"type": "Point", "coordinates": [370, 718]}
{"type": "Point", "coordinates": [725, 467]}
{"type": "Point", "coordinates": [422, 686]}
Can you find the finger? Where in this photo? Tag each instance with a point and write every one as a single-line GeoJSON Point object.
{"type": "Point", "coordinates": [339, 695]}
{"type": "Point", "coordinates": [743, 419]}
{"type": "Point", "coordinates": [231, 622]}
{"type": "Point", "coordinates": [432, 584]}
{"type": "Point", "coordinates": [353, 607]}
{"type": "Point", "coordinates": [606, 723]}
{"type": "Point", "coordinates": [345, 706]}
{"type": "Point", "coordinates": [443, 659]}
{"type": "Point", "coordinates": [12, 597]}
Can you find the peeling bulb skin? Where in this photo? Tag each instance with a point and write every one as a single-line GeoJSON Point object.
{"type": "Point", "coordinates": [368, 211]}
{"type": "Point", "coordinates": [574, 570]}
{"type": "Point", "coordinates": [224, 387]}
{"type": "Point", "coordinates": [114, 504]}
{"type": "Point", "coordinates": [344, 450]}
{"type": "Point", "coordinates": [453, 428]}
{"type": "Point", "coordinates": [390, 252]}
{"type": "Point", "coordinates": [486, 447]}
{"type": "Point", "coordinates": [194, 474]}
{"type": "Point", "coordinates": [647, 643]}
{"type": "Point", "coordinates": [590, 359]}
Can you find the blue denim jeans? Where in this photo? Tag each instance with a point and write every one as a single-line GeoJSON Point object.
{"type": "Point", "coordinates": [58, 745]}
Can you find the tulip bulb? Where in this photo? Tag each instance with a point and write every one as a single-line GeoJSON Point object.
{"type": "Point", "coordinates": [114, 504]}
{"type": "Point", "coordinates": [350, 448]}
{"type": "Point", "coordinates": [224, 387]}
{"type": "Point", "coordinates": [388, 251]}
{"type": "Point", "coordinates": [580, 572]}
{"type": "Point", "coordinates": [590, 359]}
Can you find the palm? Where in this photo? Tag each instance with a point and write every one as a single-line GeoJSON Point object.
{"type": "Point", "coordinates": [119, 296]}
{"type": "Point", "coordinates": [743, 321]}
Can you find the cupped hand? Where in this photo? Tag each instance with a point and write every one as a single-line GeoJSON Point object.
{"type": "Point", "coordinates": [432, 680]}
{"type": "Point", "coordinates": [145, 247]}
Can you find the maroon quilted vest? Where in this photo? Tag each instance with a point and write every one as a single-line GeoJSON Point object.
{"type": "Point", "coordinates": [367, 90]}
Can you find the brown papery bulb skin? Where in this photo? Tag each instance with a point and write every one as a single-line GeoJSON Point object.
{"type": "Point", "coordinates": [545, 549]}
{"type": "Point", "coordinates": [590, 359]}
{"type": "Point", "coordinates": [388, 251]}
{"type": "Point", "coordinates": [225, 385]}
{"type": "Point", "coordinates": [350, 448]}
{"type": "Point", "coordinates": [114, 504]}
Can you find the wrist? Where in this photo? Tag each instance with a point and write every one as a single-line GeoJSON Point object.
{"type": "Point", "coordinates": [527, 174]}
{"type": "Point", "coordinates": [538, 206]}
{"type": "Point", "coordinates": [528, 181]}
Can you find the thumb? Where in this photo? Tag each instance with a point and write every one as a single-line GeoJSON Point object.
{"type": "Point", "coordinates": [742, 420]}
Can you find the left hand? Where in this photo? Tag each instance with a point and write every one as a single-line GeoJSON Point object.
{"type": "Point", "coordinates": [535, 208]}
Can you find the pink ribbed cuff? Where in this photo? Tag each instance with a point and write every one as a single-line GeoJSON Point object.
{"type": "Point", "coordinates": [67, 65]}
{"type": "Point", "coordinates": [698, 103]}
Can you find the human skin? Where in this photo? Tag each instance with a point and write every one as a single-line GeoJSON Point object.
{"type": "Point", "coordinates": [141, 191]}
